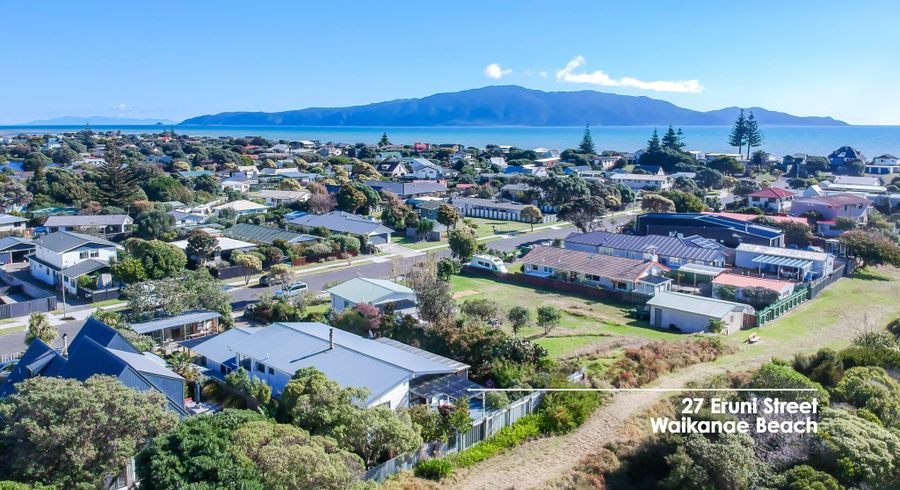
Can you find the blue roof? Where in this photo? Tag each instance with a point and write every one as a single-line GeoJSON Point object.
{"type": "Point", "coordinates": [99, 349]}
{"type": "Point", "coordinates": [715, 221]}
{"type": "Point", "coordinates": [342, 222]}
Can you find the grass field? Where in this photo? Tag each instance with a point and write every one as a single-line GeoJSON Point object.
{"type": "Point", "coordinates": [584, 321]}
{"type": "Point", "coordinates": [483, 228]}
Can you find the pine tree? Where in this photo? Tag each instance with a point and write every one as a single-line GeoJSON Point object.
{"type": "Point", "coordinates": [681, 143]}
{"type": "Point", "coordinates": [738, 134]}
{"type": "Point", "coordinates": [587, 142]}
{"type": "Point", "coordinates": [670, 139]}
{"type": "Point", "coordinates": [118, 185]}
{"type": "Point", "coordinates": [653, 144]}
{"type": "Point", "coordinates": [755, 136]}
{"type": "Point", "coordinates": [384, 140]}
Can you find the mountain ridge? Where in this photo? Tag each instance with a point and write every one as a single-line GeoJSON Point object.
{"type": "Point", "coordinates": [97, 120]}
{"type": "Point", "coordinates": [508, 105]}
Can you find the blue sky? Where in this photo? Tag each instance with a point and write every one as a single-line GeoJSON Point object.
{"type": "Point", "coordinates": [179, 59]}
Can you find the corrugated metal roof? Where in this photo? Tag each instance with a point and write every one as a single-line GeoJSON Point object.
{"type": "Point", "coordinates": [782, 261]}
{"type": "Point", "coordinates": [84, 267]}
{"type": "Point", "coordinates": [783, 252]}
{"type": "Point", "coordinates": [699, 305]}
{"type": "Point", "coordinates": [63, 241]}
{"type": "Point", "coordinates": [174, 321]}
{"type": "Point", "coordinates": [342, 222]}
{"type": "Point", "coordinates": [589, 263]}
{"type": "Point", "coordinates": [450, 363]}
{"type": "Point", "coordinates": [692, 248]}
{"type": "Point", "coordinates": [12, 241]}
{"type": "Point", "coordinates": [8, 219]}
{"type": "Point", "coordinates": [365, 290]}
{"type": "Point", "coordinates": [89, 220]}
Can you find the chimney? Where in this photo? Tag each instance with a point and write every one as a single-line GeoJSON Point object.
{"type": "Point", "coordinates": [65, 349]}
{"type": "Point", "coordinates": [331, 338]}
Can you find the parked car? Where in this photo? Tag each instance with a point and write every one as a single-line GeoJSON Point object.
{"type": "Point", "coordinates": [488, 262]}
{"type": "Point", "coordinates": [266, 281]}
{"type": "Point", "coordinates": [292, 289]}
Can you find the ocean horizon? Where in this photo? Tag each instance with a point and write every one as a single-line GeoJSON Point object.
{"type": "Point", "coordinates": [780, 140]}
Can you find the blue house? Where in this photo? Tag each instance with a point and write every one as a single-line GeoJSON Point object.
{"type": "Point", "coordinates": [99, 349]}
{"type": "Point", "coordinates": [844, 155]}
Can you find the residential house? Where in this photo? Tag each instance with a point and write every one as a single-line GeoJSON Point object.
{"type": "Point", "coordinates": [276, 197]}
{"type": "Point", "coordinates": [187, 220]}
{"type": "Point", "coordinates": [243, 207]}
{"type": "Point", "coordinates": [422, 168]}
{"type": "Point", "coordinates": [727, 231]}
{"type": "Point", "coordinates": [740, 283]}
{"type": "Point", "coordinates": [342, 222]}
{"type": "Point", "coordinates": [831, 207]}
{"type": "Point", "coordinates": [606, 162]}
{"type": "Point", "coordinates": [771, 199]}
{"type": "Point", "coordinates": [10, 223]}
{"type": "Point", "coordinates": [99, 349]}
{"type": "Point", "coordinates": [671, 251]}
{"type": "Point", "coordinates": [639, 182]}
{"type": "Point", "coordinates": [14, 249]}
{"type": "Point", "coordinates": [189, 174]}
{"type": "Point", "coordinates": [408, 190]}
{"type": "Point", "coordinates": [526, 170]}
{"type": "Point", "coordinates": [648, 169]}
{"type": "Point", "coordinates": [236, 184]}
{"type": "Point", "coordinates": [844, 155]}
{"type": "Point", "coordinates": [488, 208]}
{"type": "Point", "coordinates": [224, 248]}
{"type": "Point", "coordinates": [64, 256]}
{"type": "Point", "coordinates": [189, 325]}
{"type": "Point", "coordinates": [94, 224]}
{"type": "Point", "coordinates": [690, 314]}
{"type": "Point", "coordinates": [266, 234]}
{"type": "Point", "coordinates": [793, 161]}
{"type": "Point", "coordinates": [274, 353]}
{"type": "Point", "coordinates": [499, 162]}
{"type": "Point", "coordinates": [884, 164]}
{"type": "Point", "coordinates": [801, 265]}
{"type": "Point", "coordinates": [393, 169]}
{"type": "Point", "coordinates": [376, 292]}
{"type": "Point", "coordinates": [605, 271]}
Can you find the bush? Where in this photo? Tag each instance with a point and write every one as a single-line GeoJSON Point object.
{"type": "Point", "coordinates": [565, 411]}
{"type": "Point", "coordinates": [520, 431]}
{"type": "Point", "coordinates": [496, 400]}
{"type": "Point", "coordinates": [646, 363]}
{"type": "Point", "coordinates": [433, 469]}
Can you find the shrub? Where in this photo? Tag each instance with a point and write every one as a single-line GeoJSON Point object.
{"type": "Point", "coordinates": [646, 363]}
{"type": "Point", "coordinates": [521, 430]}
{"type": "Point", "coordinates": [433, 469]}
{"type": "Point", "coordinates": [496, 400]}
{"type": "Point", "coordinates": [565, 411]}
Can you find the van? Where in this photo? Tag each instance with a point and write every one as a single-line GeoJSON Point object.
{"type": "Point", "coordinates": [487, 262]}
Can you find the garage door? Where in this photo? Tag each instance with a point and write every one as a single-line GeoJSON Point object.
{"type": "Point", "coordinates": [378, 239]}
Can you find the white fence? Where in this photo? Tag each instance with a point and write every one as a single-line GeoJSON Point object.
{"type": "Point", "coordinates": [501, 215]}
{"type": "Point", "coordinates": [481, 430]}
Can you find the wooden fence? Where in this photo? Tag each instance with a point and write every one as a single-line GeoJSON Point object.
{"type": "Point", "coordinates": [481, 430]}
{"type": "Point", "coordinates": [584, 290]}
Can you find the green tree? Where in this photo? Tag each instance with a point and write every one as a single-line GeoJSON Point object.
{"type": "Point", "coordinates": [74, 434]}
{"type": "Point", "coordinates": [587, 142]}
{"type": "Point", "coordinates": [583, 212]}
{"type": "Point", "coordinates": [755, 136]}
{"type": "Point", "coordinates": [463, 243]}
{"type": "Point", "coordinates": [872, 388]}
{"type": "Point", "coordinates": [39, 328]}
{"type": "Point", "coordinates": [863, 451]}
{"type": "Point", "coordinates": [129, 270]}
{"type": "Point", "coordinates": [653, 144]}
{"type": "Point", "coordinates": [201, 246]}
{"type": "Point", "coordinates": [281, 274]}
{"type": "Point", "coordinates": [384, 140]}
{"type": "Point", "coordinates": [519, 317]}
{"type": "Point", "coordinates": [447, 268]}
{"type": "Point", "coordinates": [805, 477]}
{"type": "Point", "coordinates": [155, 224]}
{"type": "Point", "coordinates": [871, 248]}
{"type": "Point", "coordinates": [182, 364]}
{"type": "Point", "coordinates": [483, 309]}
{"type": "Point", "coordinates": [35, 162]}
{"type": "Point", "coordinates": [548, 318]}
{"type": "Point", "coordinates": [771, 375]}
{"type": "Point", "coordinates": [117, 184]}
{"type": "Point", "coordinates": [447, 215]}
{"type": "Point", "coordinates": [726, 165]}
{"type": "Point", "coordinates": [433, 297]}
{"type": "Point", "coordinates": [376, 432]}
{"type": "Point", "coordinates": [14, 196]}
{"type": "Point", "coordinates": [350, 199]}
{"type": "Point", "coordinates": [685, 202]}
{"type": "Point", "coordinates": [671, 140]}
{"type": "Point", "coordinates": [656, 203]}
{"type": "Point", "coordinates": [160, 259]}
{"type": "Point", "coordinates": [738, 135]}
{"type": "Point", "coordinates": [531, 215]}
{"type": "Point", "coordinates": [287, 457]}
{"type": "Point", "coordinates": [199, 453]}
{"type": "Point", "coordinates": [251, 265]}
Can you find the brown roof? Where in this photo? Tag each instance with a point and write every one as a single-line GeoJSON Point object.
{"type": "Point", "coordinates": [589, 263]}
{"type": "Point", "coordinates": [837, 199]}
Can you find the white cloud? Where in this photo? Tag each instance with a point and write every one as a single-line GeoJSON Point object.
{"type": "Point", "coordinates": [120, 107]}
{"type": "Point", "coordinates": [598, 77]}
{"type": "Point", "coordinates": [543, 74]}
{"type": "Point", "coordinates": [494, 71]}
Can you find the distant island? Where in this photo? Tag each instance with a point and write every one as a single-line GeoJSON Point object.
{"type": "Point", "coordinates": [509, 105]}
{"type": "Point", "coordinates": [99, 121]}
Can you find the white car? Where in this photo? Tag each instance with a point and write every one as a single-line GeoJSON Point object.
{"type": "Point", "coordinates": [292, 289]}
{"type": "Point", "coordinates": [488, 262]}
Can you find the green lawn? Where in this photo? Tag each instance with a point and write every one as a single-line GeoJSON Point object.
{"type": "Point", "coordinates": [584, 321]}
{"type": "Point", "coordinates": [483, 228]}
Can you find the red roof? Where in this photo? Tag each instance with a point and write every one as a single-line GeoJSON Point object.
{"type": "Point", "coordinates": [740, 281]}
{"type": "Point", "coordinates": [773, 192]}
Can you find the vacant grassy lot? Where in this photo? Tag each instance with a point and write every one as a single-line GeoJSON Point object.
{"type": "Point", "coordinates": [584, 321]}
{"type": "Point", "coordinates": [483, 228]}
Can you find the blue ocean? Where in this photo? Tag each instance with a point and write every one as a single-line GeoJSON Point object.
{"type": "Point", "coordinates": [779, 140]}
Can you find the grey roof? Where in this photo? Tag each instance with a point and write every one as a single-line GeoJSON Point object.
{"type": "Point", "coordinates": [12, 241]}
{"type": "Point", "coordinates": [84, 267]}
{"type": "Point", "coordinates": [783, 252]}
{"type": "Point", "coordinates": [450, 363]}
{"type": "Point", "coordinates": [266, 234]}
{"type": "Point", "coordinates": [692, 247]}
{"type": "Point", "coordinates": [487, 203]}
{"type": "Point", "coordinates": [702, 270]}
{"type": "Point", "coordinates": [89, 220]}
{"type": "Point", "coordinates": [700, 305]}
{"type": "Point", "coordinates": [180, 215]}
{"type": "Point", "coordinates": [407, 188]}
{"type": "Point", "coordinates": [342, 222]}
{"type": "Point", "coordinates": [781, 261]}
{"type": "Point", "coordinates": [63, 241]}
{"type": "Point", "coordinates": [8, 219]}
{"type": "Point", "coordinates": [174, 321]}
{"type": "Point", "coordinates": [355, 360]}
{"type": "Point", "coordinates": [446, 385]}
{"type": "Point", "coordinates": [374, 291]}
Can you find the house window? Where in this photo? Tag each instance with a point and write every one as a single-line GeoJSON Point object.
{"type": "Point", "coordinates": [271, 370]}
{"type": "Point", "coordinates": [88, 254]}
{"type": "Point", "coordinates": [261, 367]}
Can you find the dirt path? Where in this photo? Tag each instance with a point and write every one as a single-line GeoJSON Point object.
{"type": "Point", "coordinates": [830, 323]}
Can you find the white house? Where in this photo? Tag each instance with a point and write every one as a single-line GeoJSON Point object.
{"type": "Point", "coordinates": [69, 255]}
{"type": "Point", "coordinates": [102, 224]}
{"type": "Point", "coordinates": [376, 292]}
{"type": "Point", "coordinates": [772, 199]}
{"type": "Point", "coordinates": [274, 353]}
{"type": "Point", "coordinates": [9, 222]}
{"type": "Point", "coordinates": [643, 181]}
{"type": "Point", "coordinates": [242, 207]}
{"type": "Point", "coordinates": [689, 313]}
{"type": "Point", "coordinates": [275, 197]}
{"type": "Point", "coordinates": [240, 185]}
